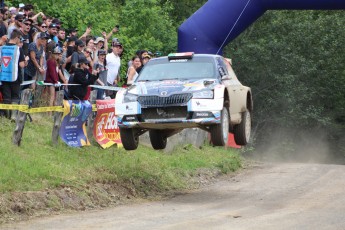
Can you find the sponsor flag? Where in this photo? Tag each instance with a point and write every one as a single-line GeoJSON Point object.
{"type": "Point", "coordinates": [73, 130]}
{"type": "Point", "coordinates": [105, 129]}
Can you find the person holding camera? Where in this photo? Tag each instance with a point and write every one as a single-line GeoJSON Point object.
{"type": "Point", "coordinates": [83, 78]}
{"type": "Point", "coordinates": [101, 64]}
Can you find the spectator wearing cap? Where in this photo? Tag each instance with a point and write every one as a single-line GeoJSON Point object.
{"type": "Point", "coordinates": [13, 10]}
{"type": "Point", "coordinates": [18, 19]}
{"type": "Point", "coordinates": [78, 52]}
{"type": "Point", "coordinates": [70, 49]}
{"type": "Point", "coordinates": [101, 64]}
{"type": "Point", "coordinates": [84, 78]}
{"type": "Point", "coordinates": [145, 59]}
{"type": "Point", "coordinates": [57, 22]}
{"type": "Point", "coordinates": [114, 64]}
{"type": "Point", "coordinates": [11, 89]}
{"type": "Point", "coordinates": [52, 74]}
{"type": "Point", "coordinates": [35, 68]}
{"type": "Point", "coordinates": [25, 29]}
{"type": "Point", "coordinates": [52, 32]}
{"type": "Point", "coordinates": [72, 32]}
{"type": "Point", "coordinates": [100, 43]}
{"type": "Point", "coordinates": [61, 35]}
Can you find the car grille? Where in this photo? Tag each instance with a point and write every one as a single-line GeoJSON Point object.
{"type": "Point", "coordinates": [157, 101]}
{"type": "Point", "coordinates": [165, 113]}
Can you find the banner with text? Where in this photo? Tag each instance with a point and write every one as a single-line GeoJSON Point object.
{"type": "Point", "coordinates": [105, 129]}
{"type": "Point", "coordinates": [73, 130]}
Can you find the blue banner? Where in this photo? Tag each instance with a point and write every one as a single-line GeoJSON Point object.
{"type": "Point", "coordinates": [73, 130]}
{"type": "Point", "coordinates": [9, 63]}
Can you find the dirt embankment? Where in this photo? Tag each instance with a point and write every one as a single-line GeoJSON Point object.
{"type": "Point", "coordinates": [18, 206]}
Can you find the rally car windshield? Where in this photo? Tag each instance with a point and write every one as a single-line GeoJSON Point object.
{"type": "Point", "coordinates": [180, 69]}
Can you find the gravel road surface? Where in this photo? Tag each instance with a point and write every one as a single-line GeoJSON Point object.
{"type": "Point", "coordinates": [264, 196]}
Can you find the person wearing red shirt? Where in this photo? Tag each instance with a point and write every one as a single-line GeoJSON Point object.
{"type": "Point", "coordinates": [52, 75]}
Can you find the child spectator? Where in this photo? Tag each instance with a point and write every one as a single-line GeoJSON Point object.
{"type": "Point", "coordinates": [52, 75]}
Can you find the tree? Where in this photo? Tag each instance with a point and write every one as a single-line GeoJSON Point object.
{"type": "Point", "coordinates": [293, 61]}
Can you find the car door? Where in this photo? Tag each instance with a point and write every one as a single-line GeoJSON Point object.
{"type": "Point", "coordinates": [230, 81]}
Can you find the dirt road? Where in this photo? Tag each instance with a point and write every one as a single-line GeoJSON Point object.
{"type": "Point", "coordinates": [266, 196]}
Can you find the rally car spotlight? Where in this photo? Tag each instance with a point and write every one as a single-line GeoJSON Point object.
{"type": "Point", "coordinates": [130, 98]}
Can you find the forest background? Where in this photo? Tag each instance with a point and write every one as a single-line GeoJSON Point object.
{"type": "Point", "coordinates": [292, 60]}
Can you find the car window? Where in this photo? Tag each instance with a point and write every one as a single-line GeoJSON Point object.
{"type": "Point", "coordinates": [229, 68]}
{"type": "Point", "coordinates": [195, 68]}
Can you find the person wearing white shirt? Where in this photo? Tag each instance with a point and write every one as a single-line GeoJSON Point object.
{"type": "Point", "coordinates": [113, 64]}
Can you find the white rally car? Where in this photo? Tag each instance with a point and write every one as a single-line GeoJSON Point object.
{"type": "Point", "coordinates": [184, 90]}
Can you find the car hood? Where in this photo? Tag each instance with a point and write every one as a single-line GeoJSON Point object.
{"type": "Point", "coordinates": [168, 87]}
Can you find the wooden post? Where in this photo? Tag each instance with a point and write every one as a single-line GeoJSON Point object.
{"type": "Point", "coordinates": [92, 116]}
{"type": "Point", "coordinates": [57, 118]}
{"type": "Point", "coordinates": [21, 118]}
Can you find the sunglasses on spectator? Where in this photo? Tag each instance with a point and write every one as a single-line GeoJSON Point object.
{"type": "Point", "coordinates": [44, 26]}
{"type": "Point", "coordinates": [28, 24]}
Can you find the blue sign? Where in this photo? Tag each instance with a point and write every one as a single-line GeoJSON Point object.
{"type": "Point", "coordinates": [73, 130]}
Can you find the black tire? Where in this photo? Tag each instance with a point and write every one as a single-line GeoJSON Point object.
{"type": "Point", "coordinates": [242, 130]}
{"type": "Point", "coordinates": [130, 140]}
{"type": "Point", "coordinates": [220, 132]}
{"type": "Point", "coordinates": [158, 139]}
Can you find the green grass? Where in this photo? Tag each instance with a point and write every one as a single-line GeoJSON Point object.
{"type": "Point", "coordinates": [37, 164]}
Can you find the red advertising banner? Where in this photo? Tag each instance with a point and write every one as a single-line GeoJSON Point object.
{"type": "Point", "coordinates": [105, 131]}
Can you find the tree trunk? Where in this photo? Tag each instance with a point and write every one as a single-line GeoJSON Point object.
{"type": "Point", "coordinates": [21, 118]}
{"type": "Point", "coordinates": [57, 118]}
{"type": "Point", "coordinates": [92, 116]}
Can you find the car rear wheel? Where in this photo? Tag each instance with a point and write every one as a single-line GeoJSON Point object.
{"type": "Point", "coordinates": [219, 133]}
{"type": "Point", "coordinates": [242, 131]}
{"type": "Point", "coordinates": [158, 139]}
{"type": "Point", "coordinates": [129, 139]}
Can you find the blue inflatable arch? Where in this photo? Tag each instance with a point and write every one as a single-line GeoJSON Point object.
{"type": "Point", "coordinates": [218, 22]}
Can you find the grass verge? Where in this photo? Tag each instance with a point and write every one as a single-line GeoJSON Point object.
{"type": "Point", "coordinates": [56, 172]}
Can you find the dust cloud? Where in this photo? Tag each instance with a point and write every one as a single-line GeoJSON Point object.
{"type": "Point", "coordinates": [297, 147]}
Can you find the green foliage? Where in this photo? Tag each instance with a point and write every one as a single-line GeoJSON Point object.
{"type": "Point", "coordinates": [181, 10]}
{"type": "Point", "coordinates": [293, 60]}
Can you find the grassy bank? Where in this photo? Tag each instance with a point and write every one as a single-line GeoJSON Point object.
{"type": "Point", "coordinates": [37, 165]}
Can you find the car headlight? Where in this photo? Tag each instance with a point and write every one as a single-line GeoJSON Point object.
{"type": "Point", "coordinates": [130, 98]}
{"type": "Point", "coordinates": [206, 94]}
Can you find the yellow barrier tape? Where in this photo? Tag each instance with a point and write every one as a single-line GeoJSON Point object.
{"type": "Point", "coordinates": [44, 109]}
{"type": "Point", "coordinates": [13, 107]}
{"type": "Point", "coordinates": [26, 109]}
{"type": "Point", "coordinates": [94, 108]}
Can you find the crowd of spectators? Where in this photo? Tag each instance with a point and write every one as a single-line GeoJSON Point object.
{"type": "Point", "coordinates": [46, 51]}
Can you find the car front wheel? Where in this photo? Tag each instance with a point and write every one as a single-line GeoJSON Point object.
{"type": "Point", "coordinates": [158, 139]}
{"type": "Point", "coordinates": [242, 131]}
{"type": "Point", "coordinates": [129, 139]}
{"type": "Point", "coordinates": [219, 133]}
